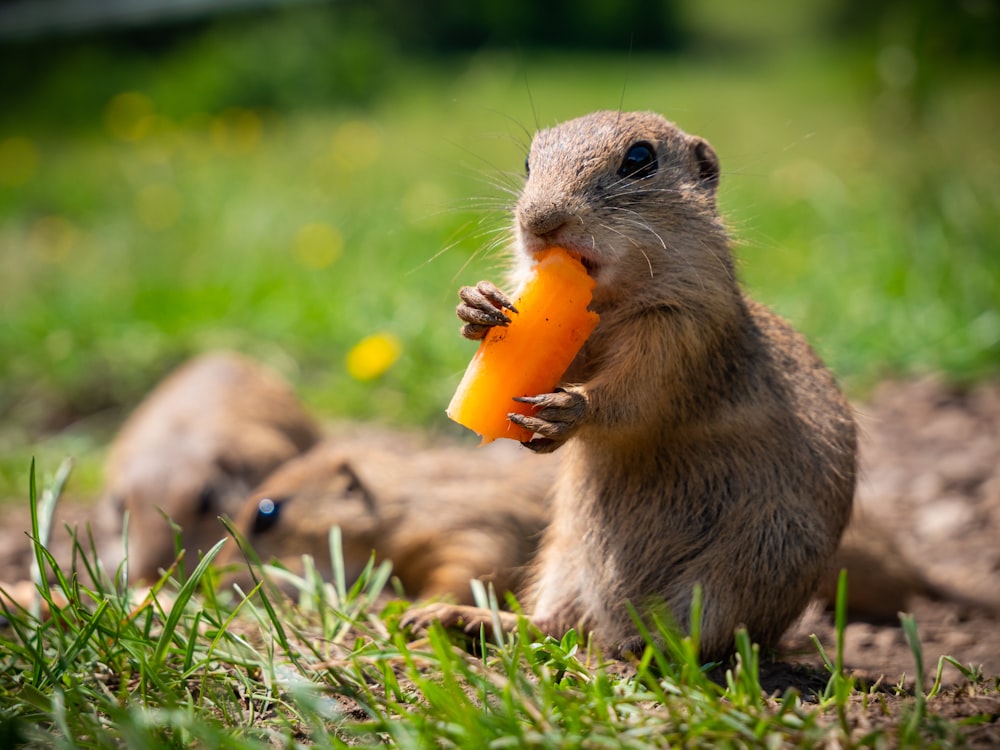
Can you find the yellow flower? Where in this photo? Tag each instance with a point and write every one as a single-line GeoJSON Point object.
{"type": "Point", "coordinates": [373, 355]}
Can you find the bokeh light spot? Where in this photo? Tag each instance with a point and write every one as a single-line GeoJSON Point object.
{"type": "Point", "coordinates": [53, 238]}
{"type": "Point", "coordinates": [356, 145]}
{"type": "Point", "coordinates": [129, 116]}
{"type": "Point", "coordinates": [318, 245]}
{"type": "Point", "coordinates": [236, 131]}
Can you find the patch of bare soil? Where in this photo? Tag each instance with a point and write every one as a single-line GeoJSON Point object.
{"type": "Point", "coordinates": [931, 478]}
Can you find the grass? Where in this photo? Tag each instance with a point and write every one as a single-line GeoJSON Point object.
{"type": "Point", "coordinates": [185, 665]}
{"type": "Point", "coordinates": [329, 240]}
{"type": "Point", "coordinates": [144, 231]}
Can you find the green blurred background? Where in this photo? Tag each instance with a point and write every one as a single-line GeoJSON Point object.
{"type": "Point", "coordinates": [310, 183]}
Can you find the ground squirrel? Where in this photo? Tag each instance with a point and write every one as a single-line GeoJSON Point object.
{"type": "Point", "coordinates": [703, 441]}
{"type": "Point", "coordinates": [443, 515]}
{"type": "Point", "coordinates": [193, 450]}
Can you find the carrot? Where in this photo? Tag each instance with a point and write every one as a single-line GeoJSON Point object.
{"type": "Point", "coordinates": [529, 356]}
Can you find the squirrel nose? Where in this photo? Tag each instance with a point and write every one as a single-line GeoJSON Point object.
{"type": "Point", "coordinates": [543, 220]}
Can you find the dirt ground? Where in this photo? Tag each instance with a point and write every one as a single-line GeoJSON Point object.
{"type": "Point", "coordinates": [931, 478]}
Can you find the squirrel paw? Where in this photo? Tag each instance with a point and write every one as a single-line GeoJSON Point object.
{"type": "Point", "coordinates": [482, 308]}
{"type": "Point", "coordinates": [470, 620]}
{"type": "Point", "coordinates": [555, 421]}
{"type": "Point", "coordinates": [629, 649]}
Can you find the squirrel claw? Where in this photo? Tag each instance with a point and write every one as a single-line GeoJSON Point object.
{"type": "Point", "coordinates": [490, 292]}
{"type": "Point", "coordinates": [541, 445]}
{"type": "Point", "coordinates": [554, 422]}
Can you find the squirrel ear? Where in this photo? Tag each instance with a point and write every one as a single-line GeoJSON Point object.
{"type": "Point", "coordinates": [354, 486]}
{"type": "Point", "coordinates": [706, 162]}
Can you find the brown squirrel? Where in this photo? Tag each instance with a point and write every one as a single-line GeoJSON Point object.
{"type": "Point", "coordinates": [704, 443]}
{"type": "Point", "coordinates": [192, 450]}
{"type": "Point", "coordinates": [442, 515]}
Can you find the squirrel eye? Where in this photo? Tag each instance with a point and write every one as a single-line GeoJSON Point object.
{"type": "Point", "coordinates": [639, 161]}
{"type": "Point", "coordinates": [268, 512]}
{"type": "Point", "coordinates": [527, 169]}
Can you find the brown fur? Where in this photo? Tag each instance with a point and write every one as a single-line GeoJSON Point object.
{"type": "Point", "coordinates": [703, 441]}
{"type": "Point", "coordinates": [443, 516]}
{"type": "Point", "coordinates": [193, 449]}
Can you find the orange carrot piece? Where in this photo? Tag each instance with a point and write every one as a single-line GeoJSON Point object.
{"type": "Point", "coordinates": [529, 356]}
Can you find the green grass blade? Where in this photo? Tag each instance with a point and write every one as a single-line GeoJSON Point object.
{"type": "Point", "coordinates": [184, 595]}
{"type": "Point", "coordinates": [275, 620]}
{"type": "Point", "coordinates": [910, 731]}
